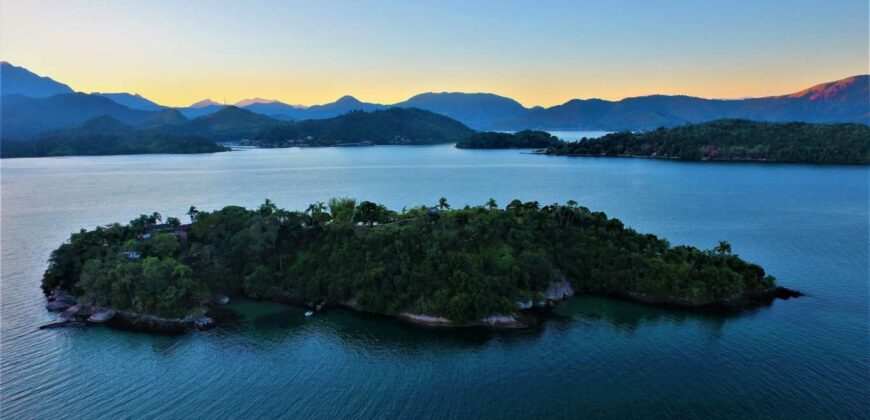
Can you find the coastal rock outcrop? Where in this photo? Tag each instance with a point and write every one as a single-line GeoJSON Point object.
{"type": "Point", "coordinates": [558, 290]}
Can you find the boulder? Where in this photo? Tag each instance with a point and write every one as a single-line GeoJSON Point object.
{"type": "Point", "coordinates": [559, 290]}
{"type": "Point", "coordinates": [221, 299]}
{"type": "Point", "coordinates": [102, 315]}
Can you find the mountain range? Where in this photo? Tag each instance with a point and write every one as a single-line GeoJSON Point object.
{"type": "Point", "coordinates": [32, 104]}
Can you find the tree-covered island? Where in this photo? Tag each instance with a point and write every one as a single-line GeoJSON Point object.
{"type": "Point", "coordinates": [432, 265]}
{"type": "Point", "coordinates": [526, 139]}
{"type": "Point", "coordinates": [734, 140]}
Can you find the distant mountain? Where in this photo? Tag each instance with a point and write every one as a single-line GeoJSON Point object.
{"type": "Point", "coordinates": [105, 135]}
{"type": "Point", "coordinates": [278, 110]}
{"type": "Point", "coordinates": [204, 103]}
{"type": "Point", "coordinates": [22, 116]}
{"type": "Point", "coordinates": [477, 110]}
{"type": "Point", "coordinates": [388, 126]}
{"type": "Point", "coordinates": [202, 111]}
{"type": "Point", "coordinates": [230, 123]}
{"type": "Point", "coordinates": [844, 100]}
{"type": "Point", "coordinates": [343, 105]}
{"type": "Point", "coordinates": [250, 101]}
{"type": "Point", "coordinates": [20, 81]}
{"type": "Point", "coordinates": [133, 101]}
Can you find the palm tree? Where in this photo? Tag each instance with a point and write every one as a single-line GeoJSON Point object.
{"type": "Point", "coordinates": [268, 207]}
{"type": "Point", "coordinates": [491, 203]}
{"type": "Point", "coordinates": [723, 249]}
{"type": "Point", "coordinates": [442, 203]}
{"type": "Point", "coordinates": [192, 212]}
{"type": "Point", "coordinates": [156, 217]}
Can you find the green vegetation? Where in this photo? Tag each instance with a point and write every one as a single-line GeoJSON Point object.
{"type": "Point", "coordinates": [463, 264]}
{"type": "Point", "coordinates": [106, 136]}
{"type": "Point", "coordinates": [735, 140]}
{"type": "Point", "coordinates": [389, 126]}
{"type": "Point", "coordinates": [526, 139]}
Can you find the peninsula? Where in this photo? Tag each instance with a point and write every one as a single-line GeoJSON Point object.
{"type": "Point", "coordinates": [733, 140]}
{"type": "Point", "coordinates": [474, 266]}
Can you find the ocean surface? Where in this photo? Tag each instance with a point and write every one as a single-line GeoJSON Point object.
{"type": "Point", "coordinates": [596, 358]}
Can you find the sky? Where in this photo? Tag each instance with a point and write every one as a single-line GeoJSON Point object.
{"type": "Point", "coordinates": [537, 52]}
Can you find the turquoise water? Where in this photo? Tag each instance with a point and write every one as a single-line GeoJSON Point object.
{"type": "Point", "coordinates": [804, 358]}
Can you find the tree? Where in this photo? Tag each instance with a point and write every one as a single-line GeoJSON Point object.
{"type": "Point", "coordinates": [317, 214]}
{"type": "Point", "coordinates": [491, 204]}
{"type": "Point", "coordinates": [267, 208]}
{"type": "Point", "coordinates": [723, 248]}
{"type": "Point", "coordinates": [342, 210]}
{"type": "Point", "coordinates": [442, 204]}
{"type": "Point", "coordinates": [192, 212]}
{"type": "Point", "coordinates": [371, 213]}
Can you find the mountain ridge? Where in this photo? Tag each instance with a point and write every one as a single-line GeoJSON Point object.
{"type": "Point", "coordinates": [843, 100]}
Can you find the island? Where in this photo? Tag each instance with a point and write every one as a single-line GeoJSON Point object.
{"type": "Point", "coordinates": [733, 140]}
{"type": "Point", "coordinates": [392, 126]}
{"type": "Point", "coordinates": [526, 139]}
{"type": "Point", "coordinates": [107, 136]}
{"type": "Point", "coordinates": [432, 265]}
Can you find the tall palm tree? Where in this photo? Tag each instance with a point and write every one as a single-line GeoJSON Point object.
{"type": "Point", "coordinates": [192, 212]}
{"type": "Point", "coordinates": [724, 248]}
{"type": "Point", "coordinates": [442, 203]}
{"type": "Point", "coordinates": [491, 203]}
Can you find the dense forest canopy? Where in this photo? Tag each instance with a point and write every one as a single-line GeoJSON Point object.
{"type": "Point", "coordinates": [735, 140]}
{"type": "Point", "coordinates": [463, 264]}
{"type": "Point", "coordinates": [526, 139]}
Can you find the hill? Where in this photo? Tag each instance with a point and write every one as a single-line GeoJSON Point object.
{"type": "Point", "coordinates": [844, 100]}
{"type": "Point", "coordinates": [106, 136]}
{"type": "Point", "coordinates": [739, 140]}
{"type": "Point", "coordinates": [132, 101]}
{"type": "Point", "coordinates": [24, 117]}
{"type": "Point", "coordinates": [388, 126]}
{"type": "Point", "coordinates": [20, 81]}
{"type": "Point", "coordinates": [526, 139]}
{"type": "Point", "coordinates": [476, 110]}
{"type": "Point", "coordinates": [230, 123]}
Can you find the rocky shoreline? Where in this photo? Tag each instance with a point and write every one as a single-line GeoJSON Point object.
{"type": "Point", "coordinates": [527, 313]}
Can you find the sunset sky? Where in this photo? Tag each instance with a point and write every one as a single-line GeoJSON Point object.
{"type": "Point", "coordinates": [538, 52]}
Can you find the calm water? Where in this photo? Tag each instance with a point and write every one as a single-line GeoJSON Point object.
{"type": "Point", "coordinates": [805, 358]}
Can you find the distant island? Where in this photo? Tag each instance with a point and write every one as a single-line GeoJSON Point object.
{"type": "Point", "coordinates": [399, 126]}
{"type": "Point", "coordinates": [526, 139]}
{"type": "Point", "coordinates": [733, 140]}
{"type": "Point", "coordinates": [430, 265]}
{"type": "Point", "coordinates": [107, 136]}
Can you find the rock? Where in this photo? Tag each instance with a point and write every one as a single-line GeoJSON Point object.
{"type": "Point", "coordinates": [524, 304]}
{"type": "Point", "coordinates": [559, 290]}
{"type": "Point", "coordinates": [786, 293]}
{"type": "Point", "coordinates": [427, 320]}
{"type": "Point", "coordinates": [502, 321]}
{"type": "Point", "coordinates": [200, 322]}
{"type": "Point", "coordinates": [221, 299]}
{"type": "Point", "coordinates": [70, 312]}
{"type": "Point", "coordinates": [59, 305]}
{"type": "Point", "coordinates": [103, 315]}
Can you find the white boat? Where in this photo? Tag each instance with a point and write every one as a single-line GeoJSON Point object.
{"type": "Point", "coordinates": [309, 313]}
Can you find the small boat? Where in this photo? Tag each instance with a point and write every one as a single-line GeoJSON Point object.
{"type": "Point", "coordinates": [309, 313]}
